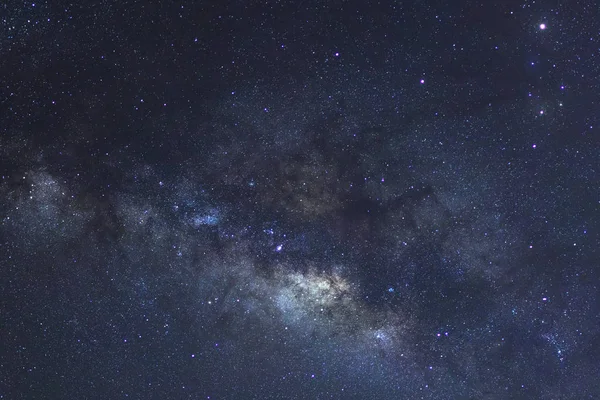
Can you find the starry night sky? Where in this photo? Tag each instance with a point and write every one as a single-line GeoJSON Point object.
{"type": "Point", "coordinates": [300, 200]}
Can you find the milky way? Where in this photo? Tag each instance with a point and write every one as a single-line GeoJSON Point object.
{"type": "Point", "coordinates": [315, 202]}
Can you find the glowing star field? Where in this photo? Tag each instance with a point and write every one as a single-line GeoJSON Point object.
{"type": "Point", "coordinates": [314, 200]}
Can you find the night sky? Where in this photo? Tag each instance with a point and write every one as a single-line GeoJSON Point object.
{"type": "Point", "coordinates": [300, 200]}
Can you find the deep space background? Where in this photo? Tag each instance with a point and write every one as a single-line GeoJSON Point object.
{"type": "Point", "coordinates": [300, 200]}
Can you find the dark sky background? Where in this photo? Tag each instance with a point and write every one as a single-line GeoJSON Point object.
{"type": "Point", "coordinates": [300, 200]}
